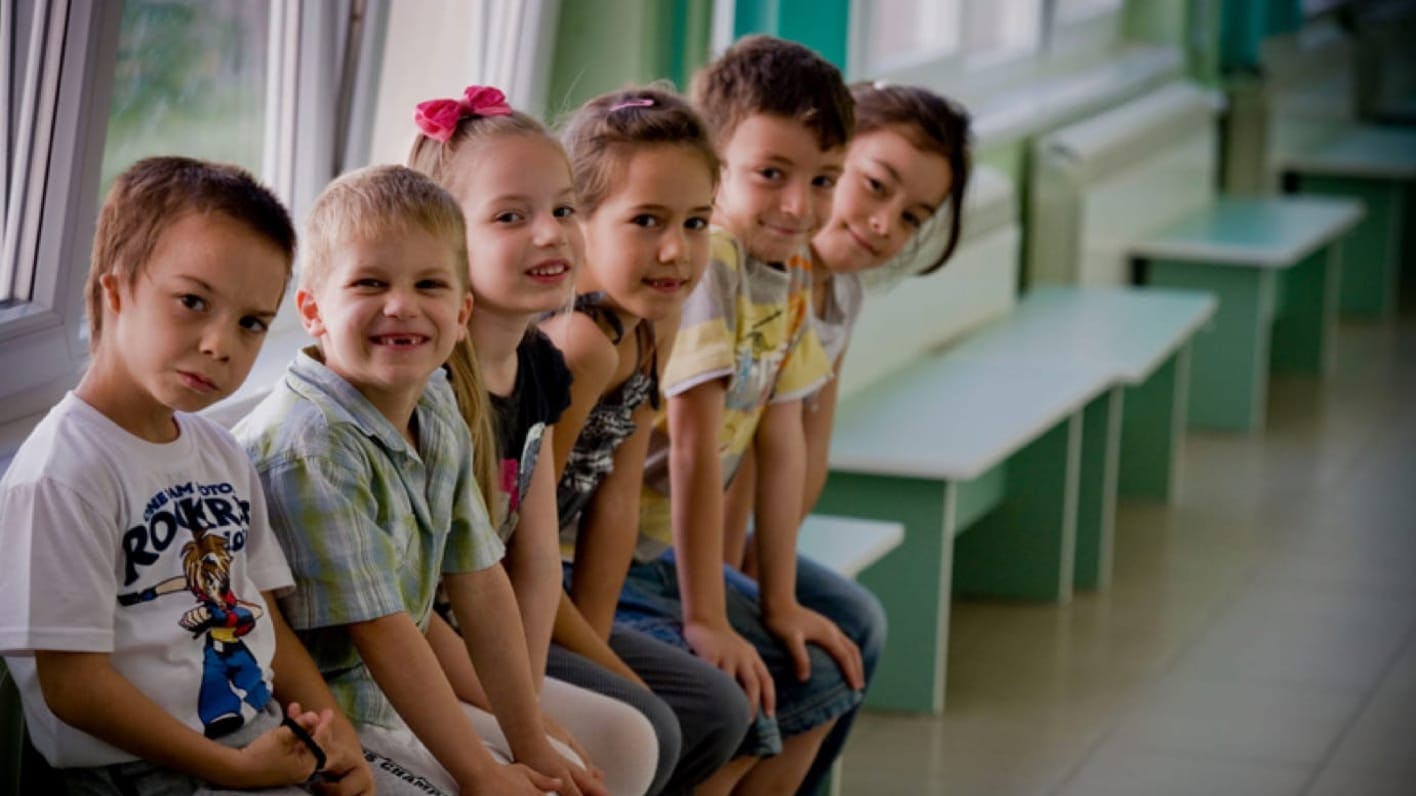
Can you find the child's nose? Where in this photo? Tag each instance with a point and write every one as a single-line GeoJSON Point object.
{"type": "Point", "coordinates": [548, 231]}
{"type": "Point", "coordinates": [673, 248]}
{"type": "Point", "coordinates": [400, 304]}
{"type": "Point", "coordinates": [216, 342]}
{"type": "Point", "coordinates": [795, 198]}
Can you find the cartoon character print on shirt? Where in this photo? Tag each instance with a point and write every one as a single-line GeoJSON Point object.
{"type": "Point", "coordinates": [218, 522]}
{"type": "Point", "coordinates": [516, 477]}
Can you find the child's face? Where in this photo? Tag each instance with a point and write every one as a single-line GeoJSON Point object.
{"type": "Point", "coordinates": [187, 330]}
{"type": "Point", "coordinates": [888, 190]}
{"type": "Point", "coordinates": [523, 241]}
{"type": "Point", "coordinates": [388, 312]}
{"type": "Point", "coordinates": [647, 242]}
{"type": "Point", "coordinates": [776, 185]}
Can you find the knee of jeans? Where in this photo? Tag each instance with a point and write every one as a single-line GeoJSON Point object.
{"type": "Point", "coordinates": [872, 629]}
{"type": "Point", "coordinates": [666, 726]}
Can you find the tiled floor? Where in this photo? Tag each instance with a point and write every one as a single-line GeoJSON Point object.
{"type": "Point", "coordinates": [1260, 637]}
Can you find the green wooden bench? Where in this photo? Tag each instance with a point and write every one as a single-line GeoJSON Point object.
{"type": "Point", "coordinates": [1000, 457]}
{"type": "Point", "coordinates": [1274, 264]}
{"type": "Point", "coordinates": [1377, 166]}
{"type": "Point", "coordinates": [1143, 336]}
{"type": "Point", "coordinates": [1129, 195]}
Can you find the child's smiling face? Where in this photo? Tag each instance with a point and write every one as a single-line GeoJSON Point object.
{"type": "Point", "coordinates": [388, 312]}
{"type": "Point", "coordinates": [523, 239]}
{"type": "Point", "coordinates": [889, 189]}
{"type": "Point", "coordinates": [647, 241]}
{"type": "Point", "coordinates": [776, 185]}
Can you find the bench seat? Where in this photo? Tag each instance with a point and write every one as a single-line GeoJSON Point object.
{"type": "Point", "coordinates": [1274, 266]}
{"type": "Point", "coordinates": [1377, 166]}
{"type": "Point", "coordinates": [847, 545]}
{"type": "Point", "coordinates": [955, 442]}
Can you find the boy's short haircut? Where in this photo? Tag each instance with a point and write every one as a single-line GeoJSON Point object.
{"type": "Point", "coordinates": [154, 193]}
{"type": "Point", "coordinates": [371, 202]}
{"type": "Point", "coordinates": [763, 74]}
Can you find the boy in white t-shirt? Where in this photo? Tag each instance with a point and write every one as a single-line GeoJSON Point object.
{"type": "Point", "coordinates": [137, 587]}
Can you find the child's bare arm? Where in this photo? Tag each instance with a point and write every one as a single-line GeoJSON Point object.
{"type": "Point", "coordinates": [297, 679]}
{"type": "Point", "coordinates": [85, 691]}
{"type": "Point", "coordinates": [609, 528]}
{"type": "Point", "coordinates": [780, 475]}
{"type": "Point", "coordinates": [696, 508]}
{"type": "Point", "coordinates": [405, 668]}
{"type": "Point", "coordinates": [592, 360]}
{"type": "Point", "coordinates": [486, 611]}
{"type": "Point", "coordinates": [533, 561]}
{"type": "Point", "coordinates": [574, 633]}
{"type": "Point", "coordinates": [817, 419]}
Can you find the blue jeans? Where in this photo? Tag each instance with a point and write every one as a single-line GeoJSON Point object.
{"type": "Point", "coordinates": [650, 603]}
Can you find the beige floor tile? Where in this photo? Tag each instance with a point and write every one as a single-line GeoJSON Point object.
{"type": "Point", "coordinates": [1130, 773]}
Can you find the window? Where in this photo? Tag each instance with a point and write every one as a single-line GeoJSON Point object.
{"type": "Point", "coordinates": [86, 88]}
{"type": "Point", "coordinates": [1001, 28]}
{"type": "Point", "coordinates": [899, 31]}
{"type": "Point", "coordinates": [190, 79]}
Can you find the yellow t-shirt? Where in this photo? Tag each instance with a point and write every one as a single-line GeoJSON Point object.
{"type": "Point", "coordinates": [746, 322]}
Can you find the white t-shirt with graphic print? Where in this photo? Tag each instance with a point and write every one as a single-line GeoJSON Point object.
{"type": "Point", "coordinates": [154, 553]}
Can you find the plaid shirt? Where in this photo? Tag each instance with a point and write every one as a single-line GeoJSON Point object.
{"type": "Point", "coordinates": [366, 521]}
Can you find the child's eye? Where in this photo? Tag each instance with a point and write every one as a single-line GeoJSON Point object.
{"type": "Point", "coordinates": [193, 302]}
{"type": "Point", "coordinates": [564, 211]}
{"type": "Point", "coordinates": [368, 283]}
{"type": "Point", "coordinates": [875, 185]}
{"type": "Point", "coordinates": [696, 223]}
{"type": "Point", "coordinates": [645, 220]}
{"type": "Point", "coordinates": [253, 324]}
{"type": "Point", "coordinates": [431, 284]}
{"type": "Point", "coordinates": [824, 181]}
{"type": "Point", "coordinates": [509, 217]}
{"type": "Point", "coordinates": [770, 173]}
{"type": "Point", "coordinates": [913, 220]}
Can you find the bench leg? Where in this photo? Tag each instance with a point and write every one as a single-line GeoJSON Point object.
{"type": "Point", "coordinates": [1096, 490]}
{"type": "Point", "coordinates": [1229, 367]}
{"type": "Point", "coordinates": [912, 582]}
{"type": "Point", "coordinates": [1372, 264]}
{"type": "Point", "coordinates": [1153, 432]}
{"type": "Point", "coordinates": [1306, 319]}
{"type": "Point", "coordinates": [1025, 548]}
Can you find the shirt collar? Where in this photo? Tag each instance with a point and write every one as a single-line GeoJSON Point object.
{"type": "Point", "coordinates": [342, 403]}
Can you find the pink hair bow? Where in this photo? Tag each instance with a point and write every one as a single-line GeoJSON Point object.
{"type": "Point", "coordinates": [438, 118]}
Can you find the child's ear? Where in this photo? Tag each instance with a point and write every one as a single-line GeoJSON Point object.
{"type": "Point", "coordinates": [309, 312]}
{"type": "Point", "coordinates": [112, 296]}
{"type": "Point", "coordinates": [464, 314]}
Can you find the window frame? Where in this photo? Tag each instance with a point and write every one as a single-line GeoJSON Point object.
{"type": "Point", "coordinates": [57, 163]}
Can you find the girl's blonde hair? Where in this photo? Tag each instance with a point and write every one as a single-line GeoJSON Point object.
{"type": "Point", "coordinates": [440, 161]}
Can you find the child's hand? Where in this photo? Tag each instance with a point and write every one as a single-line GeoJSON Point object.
{"type": "Point", "coordinates": [513, 779]}
{"type": "Point", "coordinates": [555, 730]}
{"type": "Point", "coordinates": [277, 757]}
{"type": "Point", "coordinates": [796, 624]}
{"type": "Point", "coordinates": [575, 781]}
{"type": "Point", "coordinates": [346, 772]}
{"type": "Point", "coordinates": [725, 649]}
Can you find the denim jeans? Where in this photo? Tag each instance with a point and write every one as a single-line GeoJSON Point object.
{"type": "Point", "coordinates": [650, 603]}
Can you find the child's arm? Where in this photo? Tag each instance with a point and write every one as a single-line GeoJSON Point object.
{"type": "Point", "coordinates": [533, 561]}
{"type": "Point", "coordinates": [85, 691]}
{"type": "Point", "coordinates": [592, 360]}
{"type": "Point", "coordinates": [696, 508]}
{"type": "Point", "coordinates": [816, 425]}
{"type": "Point", "coordinates": [298, 680]}
{"type": "Point", "coordinates": [403, 665]}
{"type": "Point", "coordinates": [486, 611]}
{"type": "Point", "coordinates": [781, 466]}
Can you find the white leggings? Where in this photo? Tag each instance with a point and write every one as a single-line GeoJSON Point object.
{"type": "Point", "coordinates": [619, 740]}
